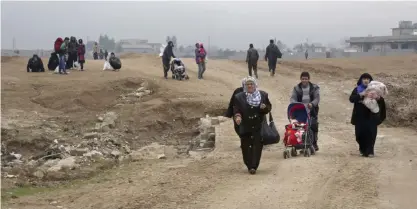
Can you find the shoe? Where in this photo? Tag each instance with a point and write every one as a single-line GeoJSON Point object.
{"type": "Point", "coordinates": [371, 155]}
{"type": "Point", "coordinates": [252, 171]}
{"type": "Point", "coordinates": [316, 147]}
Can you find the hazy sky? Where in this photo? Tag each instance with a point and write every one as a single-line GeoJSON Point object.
{"type": "Point", "coordinates": [229, 24]}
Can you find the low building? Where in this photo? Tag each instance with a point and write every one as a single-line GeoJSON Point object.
{"type": "Point", "coordinates": [139, 46]}
{"type": "Point", "coordinates": [404, 37]}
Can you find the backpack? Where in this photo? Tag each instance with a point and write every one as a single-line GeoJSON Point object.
{"type": "Point", "coordinates": [57, 44]}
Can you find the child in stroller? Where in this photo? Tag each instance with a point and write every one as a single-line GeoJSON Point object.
{"type": "Point", "coordinates": [178, 70]}
{"type": "Point", "coordinates": [298, 135]}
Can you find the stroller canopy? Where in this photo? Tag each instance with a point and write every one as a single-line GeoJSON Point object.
{"type": "Point", "coordinates": [297, 111]}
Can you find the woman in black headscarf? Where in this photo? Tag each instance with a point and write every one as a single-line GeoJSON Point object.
{"type": "Point", "coordinates": [365, 122]}
{"type": "Point", "coordinates": [249, 110]}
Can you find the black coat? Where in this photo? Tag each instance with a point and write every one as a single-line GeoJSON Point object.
{"type": "Point", "coordinates": [168, 53]}
{"type": "Point", "coordinates": [229, 111]}
{"type": "Point", "coordinates": [252, 117]}
{"type": "Point", "coordinates": [35, 64]}
{"type": "Point", "coordinates": [362, 113]}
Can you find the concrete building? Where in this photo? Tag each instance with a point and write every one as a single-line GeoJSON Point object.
{"type": "Point", "coordinates": [139, 46]}
{"type": "Point", "coordinates": [404, 37]}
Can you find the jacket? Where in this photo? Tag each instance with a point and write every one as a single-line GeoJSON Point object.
{"type": "Point", "coordinates": [252, 56]}
{"type": "Point", "coordinates": [64, 49]}
{"type": "Point", "coordinates": [361, 113]}
{"type": "Point", "coordinates": [168, 53]}
{"type": "Point", "coordinates": [272, 52]}
{"type": "Point", "coordinates": [81, 52]}
{"type": "Point", "coordinates": [297, 96]}
{"type": "Point", "coordinates": [252, 117]}
{"type": "Point", "coordinates": [35, 64]}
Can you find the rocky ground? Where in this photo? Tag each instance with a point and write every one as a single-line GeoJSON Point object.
{"type": "Point", "coordinates": [131, 139]}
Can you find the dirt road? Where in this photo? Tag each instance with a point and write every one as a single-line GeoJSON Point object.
{"type": "Point", "coordinates": [337, 177]}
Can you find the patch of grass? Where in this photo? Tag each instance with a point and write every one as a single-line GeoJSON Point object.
{"type": "Point", "coordinates": [21, 191]}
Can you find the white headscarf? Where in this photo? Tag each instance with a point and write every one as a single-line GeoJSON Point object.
{"type": "Point", "coordinates": [253, 99]}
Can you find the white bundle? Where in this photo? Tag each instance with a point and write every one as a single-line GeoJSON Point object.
{"type": "Point", "coordinates": [107, 66]}
{"type": "Point", "coordinates": [161, 49]}
{"type": "Point", "coordinates": [374, 90]}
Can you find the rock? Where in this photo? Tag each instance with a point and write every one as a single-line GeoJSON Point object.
{"type": "Point", "coordinates": [100, 119]}
{"type": "Point", "coordinates": [140, 94]}
{"type": "Point", "coordinates": [127, 149]}
{"type": "Point", "coordinates": [50, 163]}
{"type": "Point", "coordinates": [212, 137]}
{"type": "Point", "coordinates": [79, 151]}
{"type": "Point", "coordinates": [115, 141]}
{"type": "Point", "coordinates": [64, 163]}
{"type": "Point", "coordinates": [53, 203]}
{"type": "Point", "coordinates": [141, 89]}
{"type": "Point", "coordinates": [109, 119]}
{"type": "Point", "coordinates": [147, 92]}
{"type": "Point", "coordinates": [144, 84]}
{"type": "Point", "coordinates": [93, 154]}
{"type": "Point", "coordinates": [162, 156]}
{"type": "Point", "coordinates": [215, 121]}
{"type": "Point", "coordinates": [153, 151]}
{"type": "Point", "coordinates": [16, 156]}
{"type": "Point", "coordinates": [39, 174]}
{"type": "Point", "coordinates": [205, 123]}
{"type": "Point", "coordinates": [115, 153]}
{"type": "Point", "coordinates": [222, 119]}
{"type": "Point", "coordinates": [90, 135]}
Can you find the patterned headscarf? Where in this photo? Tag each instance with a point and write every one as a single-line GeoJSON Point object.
{"type": "Point", "coordinates": [253, 99]}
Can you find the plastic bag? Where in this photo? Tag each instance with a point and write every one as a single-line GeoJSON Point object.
{"type": "Point", "coordinates": [107, 66]}
{"type": "Point", "coordinates": [161, 50]}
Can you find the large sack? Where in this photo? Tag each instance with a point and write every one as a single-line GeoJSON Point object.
{"type": "Point", "coordinates": [115, 63]}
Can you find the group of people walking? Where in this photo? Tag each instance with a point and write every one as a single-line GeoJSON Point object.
{"type": "Point", "coordinates": [272, 53]}
{"type": "Point", "coordinates": [69, 51]}
{"type": "Point", "coordinates": [249, 106]}
{"type": "Point", "coordinates": [200, 58]}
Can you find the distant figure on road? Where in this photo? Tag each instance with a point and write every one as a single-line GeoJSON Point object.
{"type": "Point", "coordinates": [166, 57]}
{"type": "Point", "coordinates": [309, 94]}
{"type": "Point", "coordinates": [200, 57]}
{"type": "Point", "coordinates": [252, 58]}
{"type": "Point", "coordinates": [35, 64]}
{"type": "Point", "coordinates": [81, 54]}
{"type": "Point", "coordinates": [271, 55]}
{"type": "Point", "coordinates": [250, 108]}
{"type": "Point", "coordinates": [306, 54]}
{"type": "Point", "coordinates": [365, 122]}
{"type": "Point", "coordinates": [95, 51]}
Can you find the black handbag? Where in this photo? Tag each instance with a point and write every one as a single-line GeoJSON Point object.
{"type": "Point", "coordinates": [269, 132]}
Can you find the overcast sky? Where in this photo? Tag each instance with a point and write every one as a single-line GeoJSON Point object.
{"type": "Point", "coordinates": [229, 24]}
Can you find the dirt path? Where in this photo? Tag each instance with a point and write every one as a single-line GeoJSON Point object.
{"type": "Point", "coordinates": [335, 178]}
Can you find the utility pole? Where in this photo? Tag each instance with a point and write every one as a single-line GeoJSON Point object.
{"type": "Point", "coordinates": [14, 43]}
{"type": "Point", "coordinates": [208, 44]}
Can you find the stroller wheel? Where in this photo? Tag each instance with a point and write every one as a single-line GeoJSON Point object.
{"type": "Point", "coordinates": [293, 152]}
{"type": "Point", "coordinates": [312, 150]}
{"type": "Point", "coordinates": [307, 152]}
{"type": "Point", "coordinates": [286, 154]}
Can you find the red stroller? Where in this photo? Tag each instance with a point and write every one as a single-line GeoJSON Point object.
{"type": "Point", "coordinates": [298, 135]}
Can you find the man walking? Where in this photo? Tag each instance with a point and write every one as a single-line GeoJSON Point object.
{"type": "Point", "coordinates": [252, 58]}
{"type": "Point", "coordinates": [271, 55]}
{"type": "Point", "coordinates": [309, 94]}
{"type": "Point", "coordinates": [166, 57]}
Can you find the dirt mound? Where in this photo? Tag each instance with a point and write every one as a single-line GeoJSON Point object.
{"type": "Point", "coordinates": [402, 99]}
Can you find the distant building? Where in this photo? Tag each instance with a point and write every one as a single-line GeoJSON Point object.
{"type": "Point", "coordinates": [404, 37]}
{"type": "Point", "coordinates": [139, 46]}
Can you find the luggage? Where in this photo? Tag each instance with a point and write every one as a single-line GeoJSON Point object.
{"type": "Point", "coordinates": [115, 63]}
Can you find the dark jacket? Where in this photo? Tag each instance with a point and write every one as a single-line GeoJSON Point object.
{"type": "Point", "coordinates": [35, 64]}
{"type": "Point", "coordinates": [360, 112]}
{"type": "Point", "coordinates": [81, 52]}
{"type": "Point", "coordinates": [229, 111]}
{"type": "Point", "coordinates": [53, 61]}
{"type": "Point", "coordinates": [252, 56]}
{"type": "Point", "coordinates": [168, 53]}
{"type": "Point", "coordinates": [297, 96]}
{"type": "Point", "coordinates": [73, 46]}
{"type": "Point", "coordinates": [272, 52]}
{"type": "Point", "coordinates": [252, 117]}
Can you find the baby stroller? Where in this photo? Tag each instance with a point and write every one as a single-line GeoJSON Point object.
{"type": "Point", "coordinates": [298, 134]}
{"type": "Point", "coordinates": [178, 70]}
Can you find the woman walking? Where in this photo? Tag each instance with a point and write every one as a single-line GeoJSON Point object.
{"type": "Point", "coordinates": [250, 108]}
{"type": "Point", "coordinates": [365, 122]}
{"type": "Point", "coordinates": [81, 54]}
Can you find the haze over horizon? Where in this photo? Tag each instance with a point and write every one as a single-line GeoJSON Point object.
{"type": "Point", "coordinates": [36, 25]}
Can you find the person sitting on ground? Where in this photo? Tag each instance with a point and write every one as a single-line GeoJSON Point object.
{"type": "Point", "coordinates": [113, 63]}
{"type": "Point", "coordinates": [309, 94]}
{"type": "Point", "coordinates": [35, 64]}
{"type": "Point", "coordinates": [53, 62]}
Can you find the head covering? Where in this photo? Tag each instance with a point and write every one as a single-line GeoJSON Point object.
{"type": "Point", "coordinates": [253, 99]}
{"type": "Point", "coordinates": [360, 86]}
{"type": "Point", "coordinates": [80, 41]}
{"type": "Point", "coordinates": [201, 45]}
